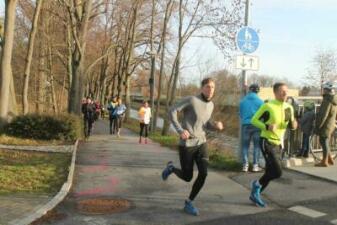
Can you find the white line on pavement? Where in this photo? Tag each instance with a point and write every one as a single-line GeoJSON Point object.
{"type": "Point", "coordinates": [307, 212]}
{"type": "Point", "coordinates": [334, 221]}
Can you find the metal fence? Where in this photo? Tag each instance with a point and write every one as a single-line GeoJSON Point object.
{"type": "Point", "coordinates": [293, 138]}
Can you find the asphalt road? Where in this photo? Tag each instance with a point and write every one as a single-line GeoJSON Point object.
{"type": "Point", "coordinates": [108, 167]}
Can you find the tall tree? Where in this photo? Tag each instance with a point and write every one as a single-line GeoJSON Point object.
{"type": "Point", "coordinates": [79, 13]}
{"type": "Point", "coordinates": [6, 72]}
{"type": "Point", "coordinates": [162, 49]}
{"type": "Point", "coordinates": [29, 56]}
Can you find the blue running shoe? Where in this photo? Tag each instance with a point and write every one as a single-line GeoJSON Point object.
{"type": "Point", "coordinates": [167, 171]}
{"type": "Point", "coordinates": [255, 196]}
{"type": "Point", "coordinates": [190, 209]}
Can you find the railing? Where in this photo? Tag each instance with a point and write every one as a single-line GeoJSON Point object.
{"type": "Point", "coordinates": [293, 139]}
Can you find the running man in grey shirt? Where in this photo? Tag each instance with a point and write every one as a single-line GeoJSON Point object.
{"type": "Point", "coordinates": [196, 117]}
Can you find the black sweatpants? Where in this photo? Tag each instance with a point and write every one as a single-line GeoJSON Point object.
{"type": "Point", "coordinates": [88, 126]}
{"type": "Point", "coordinates": [113, 124]}
{"type": "Point", "coordinates": [143, 128]}
{"type": "Point", "coordinates": [273, 168]}
{"type": "Point", "coordinates": [189, 155]}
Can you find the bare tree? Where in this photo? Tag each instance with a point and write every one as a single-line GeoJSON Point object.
{"type": "Point", "coordinates": [324, 68]}
{"type": "Point", "coordinates": [79, 13]}
{"type": "Point", "coordinates": [6, 72]}
{"type": "Point", "coordinates": [191, 18]}
{"type": "Point", "coordinates": [29, 56]}
{"type": "Point", "coordinates": [168, 12]}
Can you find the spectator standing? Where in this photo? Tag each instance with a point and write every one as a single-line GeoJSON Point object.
{"type": "Point", "coordinates": [326, 122]}
{"type": "Point", "coordinates": [307, 126]}
{"type": "Point", "coordinates": [248, 107]}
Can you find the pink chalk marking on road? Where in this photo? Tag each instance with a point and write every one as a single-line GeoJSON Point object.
{"type": "Point", "coordinates": [110, 187]}
{"type": "Point", "coordinates": [92, 191]}
{"type": "Point", "coordinates": [114, 182]}
{"type": "Point", "coordinates": [102, 166]}
{"type": "Point", "coordinates": [94, 169]}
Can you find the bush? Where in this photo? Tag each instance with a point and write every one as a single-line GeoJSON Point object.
{"type": "Point", "coordinates": [45, 127]}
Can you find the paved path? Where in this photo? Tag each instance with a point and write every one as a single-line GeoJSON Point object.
{"type": "Point", "coordinates": [16, 206]}
{"type": "Point", "coordinates": [328, 173]}
{"type": "Point", "coordinates": [110, 167]}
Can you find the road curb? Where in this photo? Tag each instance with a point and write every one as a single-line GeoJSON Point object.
{"type": "Point", "coordinates": [313, 175]}
{"type": "Point", "coordinates": [292, 162]}
{"type": "Point", "coordinates": [56, 199]}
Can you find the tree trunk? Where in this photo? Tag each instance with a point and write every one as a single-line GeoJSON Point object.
{"type": "Point", "coordinates": [62, 98]}
{"type": "Point", "coordinates": [69, 59]}
{"type": "Point", "coordinates": [76, 88]}
{"type": "Point", "coordinates": [175, 72]}
{"type": "Point", "coordinates": [51, 77]}
{"type": "Point", "coordinates": [162, 63]}
{"type": "Point", "coordinates": [41, 80]}
{"type": "Point", "coordinates": [81, 19]}
{"type": "Point", "coordinates": [127, 97]}
{"type": "Point", "coordinates": [6, 75]}
{"type": "Point", "coordinates": [29, 57]}
{"type": "Point", "coordinates": [12, 108]}
{"type": "Point", "coordinates": [113, 86]}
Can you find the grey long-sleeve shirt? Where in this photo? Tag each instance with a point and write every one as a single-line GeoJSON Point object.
{"type": "Point", "coordinates": [196, 115]}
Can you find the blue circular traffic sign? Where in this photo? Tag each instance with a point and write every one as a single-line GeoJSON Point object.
{"type": "Point", "coordinates": [247, 40]}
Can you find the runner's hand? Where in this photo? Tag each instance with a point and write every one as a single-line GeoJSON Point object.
{"type": "Point", "coordinates": [294, 124]}
{"type": "Point", "coordinates": [218, 125]}
{"type": "Point", "coordinates": [185, 135]}
{"type": "Point", "coordinates": [272, 127]}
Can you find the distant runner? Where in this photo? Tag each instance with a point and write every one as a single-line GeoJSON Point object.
{"type": "Point", "coordinates": [144, 115]}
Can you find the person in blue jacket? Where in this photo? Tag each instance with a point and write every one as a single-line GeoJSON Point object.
{"type": "Point", "coordinates": [248, 107]}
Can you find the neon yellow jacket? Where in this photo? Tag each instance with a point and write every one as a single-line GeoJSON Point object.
{"type": "Point", "coordinates": [273, 112]}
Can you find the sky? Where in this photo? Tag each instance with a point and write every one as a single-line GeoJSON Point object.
{"type": "Point", "coordinates": [290, 31]}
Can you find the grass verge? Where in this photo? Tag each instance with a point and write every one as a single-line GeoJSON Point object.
{"type": "Point", "coordinates": [9, 140]}
{"type": "Point", "coordinates": [219, 159]}
{"type": "Point", "coordinates": [32, 172]}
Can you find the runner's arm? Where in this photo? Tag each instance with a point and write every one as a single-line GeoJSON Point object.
{"type": "Point", "coordinates": [173, 113]}
{"type": "Point", "coordinates": [293, 121]}
{"type": "Point", "coordinates": [261, 113]}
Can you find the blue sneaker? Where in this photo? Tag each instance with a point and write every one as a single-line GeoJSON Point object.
{"type": "Point", "coordinates": [167, 171]}
{"type": "Point", "coordinates": [255, 196]}
{"type": "Point", "coordinates": [190, 209]}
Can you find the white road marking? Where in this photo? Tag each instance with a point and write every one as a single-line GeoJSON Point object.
{"type": "Point", "coordinates": [307, 212]}
{"type": "Point", "coordinates": [334, 221]}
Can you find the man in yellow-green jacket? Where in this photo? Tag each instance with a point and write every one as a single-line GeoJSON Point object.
{"type": "Point", "coordinates": [272, 119]}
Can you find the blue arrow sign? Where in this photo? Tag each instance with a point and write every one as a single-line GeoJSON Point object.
{"type": "Point", "coordinates": [247, 40]}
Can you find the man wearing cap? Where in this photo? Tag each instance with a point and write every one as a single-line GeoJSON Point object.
{"type": "Point", "coordinates": [326, 122]}
{"type": "Point", "coordinates": [248, 107]}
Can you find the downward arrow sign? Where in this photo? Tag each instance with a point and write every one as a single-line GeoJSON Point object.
{"type": "Point", "coordinates": [243, 64]}
{"type": "Point", "coordinates": [251, 62]}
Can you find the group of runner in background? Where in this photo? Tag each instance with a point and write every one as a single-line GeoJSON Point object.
{"type": "Point", "coordinates": [116, 110]}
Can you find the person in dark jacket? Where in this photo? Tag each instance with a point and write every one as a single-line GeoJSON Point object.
{"type": "Point", "coordinates": [248, 107]}
{"type": "Point", "coordinates": [307, 126]}
{"type": "Point", "coordinates": [326, 122]}
{"type": "Point", "coordinates": [88, 110]}
{"type": "Point", "coordinates": [112, 105]}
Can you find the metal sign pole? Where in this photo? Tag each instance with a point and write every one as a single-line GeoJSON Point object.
{"type": "Point", "coordinates": [243, 83]}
